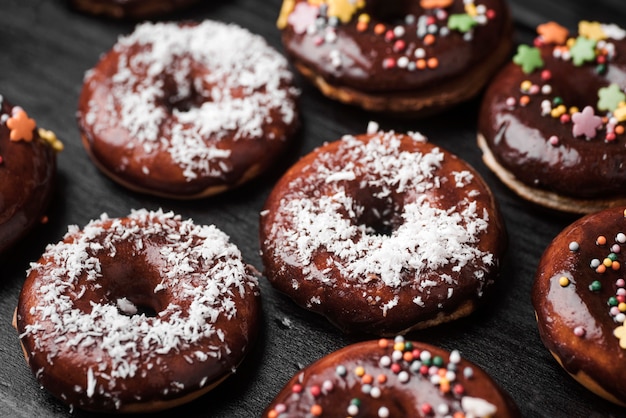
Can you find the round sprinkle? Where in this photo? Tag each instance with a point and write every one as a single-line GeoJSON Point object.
{"type": "Point", "coordinates": [316, 410]}
{"type": "Point", "coordinates": [385, 361]}
{"type": "Point", "coordinates": [553, 140]}
{"type": "Point", "coordinates": [315, 390]}
{"type": "Point", "coordinates": [375, 393]}
{"type": "Point", "coordinates": [621, 238]}
{"type": "Point", "coordinates": [438, 361]}
{"type": "Point", "coordinates": [397, 355]}
{"type": "Point", "coordinates": [404, 377]}
{"type": "Point", "coordinates": [601, 240]}
{"type": "Point", "coordinates": [468, 372]}
{"type": "Point", "coordinates": [620, 282]}
{"type": "Point", "coordinates": [595, 286]}
{"type": "Point", "coordinates": [359, 371]}
{"type": "Point", "coordinates": [455, 356]}
{"type": "Point", "coordinates": [595, 263]}
{"type": "Point", "coordinates": [366, 389]}
{"type": "Point", "coordinates": [425, 356]}
{"type": "Point", "coordinates": [297, 388]}
{"type": "Point", "coordinates": [579, 331]}
{"type": "Point", "coordinates": [383, 412]}
{"type": "Point", "coordinates": [607, 262]}
{"type": "Point", "coordinates": [367, 379]}
{"type": "Point", "coordinates": [616, 248]}
{"type": "Point", "coordinates": [341, 371]}
{"type": "Point", "coordinates": [427, 409]}
{"type": "Point", "coordinates": [383, 378]}
{"type": "Point", "coordinates": [574, 246]}
{"type": "Point", "coordinates": [328, 386]}
{"type": "Point", "coordinates": [353, 410]}
{"type": "Point", "coordinates": [620, 317]}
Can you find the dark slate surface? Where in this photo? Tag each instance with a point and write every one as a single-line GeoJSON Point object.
{"type": "Point", "coordinates": [45, 48]}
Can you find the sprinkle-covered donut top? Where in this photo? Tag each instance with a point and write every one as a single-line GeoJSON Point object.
{"type": "Point", "coordinates": [86, 300]}
{"type": "Point", "coordinates": [555, 117]}
{"type": "Point", "coordinates": [386, 378]}
{"type": "Point", "coordinates": [380, 166]}
{"type": "Point", "coordinates": [376, 46]}
{"type": "Point", "coordinates": [183, 88]}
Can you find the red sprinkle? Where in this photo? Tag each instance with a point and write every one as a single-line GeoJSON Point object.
{"type": "Point", "coordinates": [490, 14]}
{"type": "Point", "coordinates": [297, 388]}
{"type": "Point", "coordinates": [315, 390]}
{"type": "Point", "coordinates": [427, 409]}
{"type": "Point", "coordinates": [565, 118]}
{"type": "Point", "coordinates": [389, 63]}
{"type": "Point", "coordinates": [399, 45]}
{"type": "Point", "coordinates": [546, 75]}
{"type": "Point", "coordinates": [395, 367]}
{"type": "Point", "coordinates": [610, 136]}
{"type": "Point", "coordinates": [389, 35]}
{"type": "Point", "coordinates": [459, 389]}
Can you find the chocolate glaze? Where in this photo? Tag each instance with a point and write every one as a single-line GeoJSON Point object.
{"type": "Point", "coordinates": [132, 9]}
{"type": "Point", "coordinates": [362, 53]}
{"type": "Point", "coordinates": [161, 379]}
{"type": "Point", "coordinates": [27, 175]}
{"type": "Point", "coordinates": [560, 310]}
{"type": "Point", "coordinates": [518, 136]}
{"type": "Point", "coordinates": [354, 304]}
{"type": "Point", "coordinates": [402, 399]}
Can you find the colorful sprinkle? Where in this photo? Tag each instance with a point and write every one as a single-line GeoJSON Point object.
{"type": "Point", "coordinates": [20, 125]}
{"type": "Point", "coordinates": [564, 281]}
{"type": "Point", "coordinates": [610, 97]}
{"type": "Point", "coordinates": [529, 58]}
{"type": "Point", "coordinates": [583, 51]}
{"type": "Point", "coordinates": [586, 123]}
{"type": "Point", "coordinates": [552, 33]}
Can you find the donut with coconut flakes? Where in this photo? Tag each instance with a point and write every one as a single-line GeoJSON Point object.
{"type": "Point", "coordinates": [137, 314]}
{"type": "Point", "coordinates": [382, 233]}
{"type": "Point", "coordinates": [187, 110]}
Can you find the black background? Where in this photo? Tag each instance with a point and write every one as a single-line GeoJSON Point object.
{"type": "Point", "coordinates": [45, 48]}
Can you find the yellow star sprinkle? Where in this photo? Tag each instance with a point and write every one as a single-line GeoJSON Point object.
{"type": "Point", "coordinates": [591, 30]}
{"type": "Point", "coordinates": [344, 9]}
{"type": "Point", "coordinates": [620, 112]}
{"type": "Point", "coordinates": [51, 139]}
{"type": "Point", "coordinates": [620, 332]}
{"type": "Point", "coordinates": [285, 11]}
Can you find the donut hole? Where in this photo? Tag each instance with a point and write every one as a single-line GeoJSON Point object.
{"type": "Point", "coordinates": [379, 216]}
{"type": "Point", "coordinates": [131, 289]}
{"type": "Point", "coordinates": [128, 307]}
{"type": "Point", "coordinates": [182, 95]}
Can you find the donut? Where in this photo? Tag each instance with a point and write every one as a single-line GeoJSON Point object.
{"type": "Point", "coordinates": [137, 314]}
{"type": "Point", "coordinates": [552, 122]}
{"type": "Point", "coordinates": [382, 233]}
{"type": "Point", "coordinates": [130, 9]}
{"type": "Point", "coordinates": [187, 110]}
{"type": "Point", "coordinates": [579, 297]}
{"type": "Point", "coordinates": [392, 378]}
{"type": "Point", "coordinates": [27, 172]}
{"type": "Point", "coordinates": [412, 57]}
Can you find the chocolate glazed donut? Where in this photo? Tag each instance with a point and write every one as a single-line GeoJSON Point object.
{"type": "Point", "coordinates": [552, 123]}
{"type": "Point", "coordinates": [382, 233]}
{"type": "Point", "coordinates": [579, 295]}
{"type": "Point", "coordinates": [401, 56]}
{"type": "Point", "coordinates": [27, 172]}
{"type": "Point", "coordinates": [392, 378]}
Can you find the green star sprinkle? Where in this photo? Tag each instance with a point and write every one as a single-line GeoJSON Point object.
{"type": "Point", "coordinates": [610, 97]}
{"type": "Point", "coordinates": [461, 22]}
{"type": "Point", "coordinates": [529, 58]}
{"type": "Point", "coordinates": [583, 50]}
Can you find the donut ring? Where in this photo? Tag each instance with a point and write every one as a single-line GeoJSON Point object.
{"type": "Point", "coordinates": [392, 378]}
{"type": "Point", "coordinates": [130, 9]}
{"type": "Point", "coordinates": [579, 299]}
{"type": "Point", "coordinates": [405, 57]}
{"type": "Point", "coordinates": [354, 231]}
{"type": "Point", "coordinates": [148, 296]}
{"type": "Point", "coordinates": [27, 172]}
{"type": "Point", "coordinates": [187, 110]}
{"type": "Point", "coordinates": [552, 122]}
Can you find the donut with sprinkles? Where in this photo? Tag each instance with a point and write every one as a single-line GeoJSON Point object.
{"type": "Point", "coordinates": [392, 378]}
{"type": "Point", "coordinates": [137, 314]}
{"type": "Point", "coordinates": [579, 296]}
{"type": "Point", "coordinates": [27, 172]}
{"type": "Point", "coordinates": [412, 57]}
{"type": "Point", "coordinates": [130, 9]}
{"type": "Point", "coordinates": [382, 233]}
{"type": "Point", "coordinates": [552, 124]}
{"type": "Point", "coordinates": [187, 110]}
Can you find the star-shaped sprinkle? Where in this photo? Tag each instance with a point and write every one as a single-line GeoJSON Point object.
{"type": "Point", "coordinates": [583, 50]}
{"type": "Point", "coordinates": [610, 97]}
{"type": "Point", "coordinates": [461, 22]}
{"type": "Point", "coordinates": [51, 139]}
{"type": "Point", "coordinates": [21, 125]}
{"type": "Point", "coordinates": [614, 32]}
{"type": "Point", "coordinates": [620, 112]}
{"type": "Point", "coordinates": [302, 17]}
{"type": "Point", "coordinates": [591, 30]}
{"type": "Point", "coordinates": [553, 33]}
{"type": "Point", "coordinates": [285, 11]}
{"type": "Point", "coordinates": [529, 58]}
{"type": "Point", "coordinates": [344, 9]}
{"type": "Point", "coordinates": [620, 332]}
{"type": "Point", "coordinates": [586, 123]}
{"type": "Point", "coordinates": [435, 4]}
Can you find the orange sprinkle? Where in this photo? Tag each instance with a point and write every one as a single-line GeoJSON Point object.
{"type": "Point", "coordinates": [432, 62]}
{"type": "Point", "coordinates": [429, 39]}
{"type": "Point", "coordinates": [601, 268]}
{"type": "Point", "coordinates": [272, 414]}
{"type": "Point", "coordinates": [615, 265]}
{"type": "Point", "coordinates": [21, 126]}
{"type": "Point", "coordinates": [316, 410]}
{"type": "Point", "coordinates": [367, 379]}
{"type": "Point", "coordinates": [458, 415]}
{"type": "Point", "coordinates": [382, 343]}
{"type": "Point", "coordinates": [619, 129]}
{"type": "Point", "coordinates": [407, 356]}
{"type": "Point", "coordinates": [444, 386]}
{"type": "Point", "coordinates": [601, 240]}
{"type": "Point", "coordinates": [420, 64]}
{"type": "Point", "coordinates": [552, 32]}
{"type": "Point", "coordinates": [379, 29]}
{"type": "Point", "coordinates": [524, 100]}
{"type": "Point", "coordinates": [361, 26]}
{"type": "Point", "coordinates": [381, 378]}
